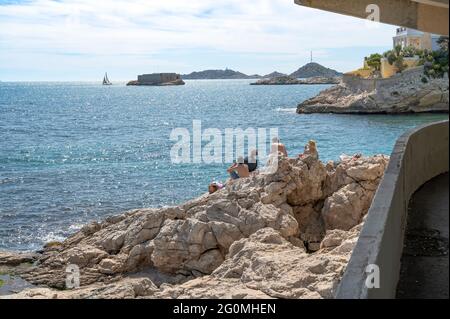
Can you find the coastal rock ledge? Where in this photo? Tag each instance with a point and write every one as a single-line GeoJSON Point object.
{"type": "Point", "coordinates": [403, 93]}
{"type": "Point", "coordinates": [287, 234]}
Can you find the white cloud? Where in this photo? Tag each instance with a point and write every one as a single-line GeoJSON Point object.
{"type": "Point", "coordinates": [144, 28]}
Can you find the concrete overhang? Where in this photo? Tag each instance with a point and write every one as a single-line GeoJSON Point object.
{"type": "Point", "coordinates": [424, 15]}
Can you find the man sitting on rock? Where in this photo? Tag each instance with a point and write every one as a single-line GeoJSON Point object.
{"type": "Point", "coordinates": [252, 161]}
{"type": "Point", "coordinates": [310, 150]}
{"type": "Point", "coordinates": [239, 169]}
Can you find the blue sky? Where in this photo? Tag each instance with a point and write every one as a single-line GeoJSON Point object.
{"type": "Point", "coordinates": [66, 40]}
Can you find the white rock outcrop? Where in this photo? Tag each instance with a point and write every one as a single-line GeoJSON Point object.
{"type": "Point", "coordinates": [403, 93]}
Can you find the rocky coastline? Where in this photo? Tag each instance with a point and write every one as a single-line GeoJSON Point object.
{"type": "Point", "coordinates": [288, 234]}
{"type": "Point", "coordinates": [288, 80]}
{"type": "Point", "coordinates": [404, 93]}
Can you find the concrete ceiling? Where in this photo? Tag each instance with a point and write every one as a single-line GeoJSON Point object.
{"type": "Point", "coordinates": [424, 15]}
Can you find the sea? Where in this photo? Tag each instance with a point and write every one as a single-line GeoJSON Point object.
{"type": "Point", "coordinates": [71, 153]}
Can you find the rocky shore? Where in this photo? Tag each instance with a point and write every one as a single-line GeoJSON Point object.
{"type": "Point", "coordinates": [287, 234]}
{"type": "Point", "coordinates": [287, 80]}
{"type": "Point", "coordinates": [407, 93]}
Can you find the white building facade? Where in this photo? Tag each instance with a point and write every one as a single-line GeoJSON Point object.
{"type": "Point", "coordinates": [406, 37]}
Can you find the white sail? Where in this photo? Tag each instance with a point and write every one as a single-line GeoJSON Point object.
{"type": "Point", "coordinates": [106, 80]}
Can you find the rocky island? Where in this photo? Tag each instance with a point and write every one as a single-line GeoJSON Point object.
{"type": "Point", "coordinates": [157, 79]}
{"type": "Point", "coordinates": [226, 74]}
{"type": "Point", "coordinates": [310, 73]}
{"type": "Point", "coordinates": [309, 70]}
{"type": "Point", "coordinates": [288, 80]}
{"type": "Point", "coordinates": [287, 234]}
{"type": "Point", "coordinates": [274, 74]}
{"type": "Point", "coordinates": [314, 69]}
{"type": "Point", "coordinates": [405, 92]}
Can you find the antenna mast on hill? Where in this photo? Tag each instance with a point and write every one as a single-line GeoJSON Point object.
{"type": "Point", "coordinates": [311, 57]}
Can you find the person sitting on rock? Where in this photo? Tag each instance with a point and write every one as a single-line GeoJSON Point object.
{"type": "Point", "coordinates": [252, 161]}
{"type": "Point", "coordinates": [310, 150]}
{"type": "Point", "coordinates": [239, 169]}
{"type": "Point", "coordinates": [310, 155]}
{"type": "Point", "coordinates": [214, 187]}
{"type": "Point", "coordinates": [278, 147]}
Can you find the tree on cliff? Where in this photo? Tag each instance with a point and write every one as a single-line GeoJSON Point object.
{"type": "Point", "coordinates": [436, 62]}
{"type": "Point", "coordinates": [374, 61]}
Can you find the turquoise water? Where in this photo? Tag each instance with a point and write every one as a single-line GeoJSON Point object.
{"type": "Point", "coordinates": [76, 152]}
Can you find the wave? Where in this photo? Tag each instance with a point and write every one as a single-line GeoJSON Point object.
{"type": "Point", "coordinates": [51, 236]}
{"type": "Point", "coordinates": [287, 110]}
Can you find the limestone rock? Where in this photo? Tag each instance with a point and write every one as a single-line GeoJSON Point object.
{"type": "Point", "coordinates": [252, 239]}
{"type": "Point", "coordinates": [125, 289]}
{"type": "Point", "coordinates": [211, 288]}
{"type": "Point", "coordinates": [15, 259]}
{"type": "Point", "coordinates": [345, 208]}
{"type": "Point", "coordinates": [403, 93]}
{"type": "Point", "coordinates": [267, 262]}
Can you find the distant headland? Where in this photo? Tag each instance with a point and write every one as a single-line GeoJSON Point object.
{"type": "Point", "coordinates": [314, 69]}
{"type": "Point", "coordinates": [289, 80]}
{"type": "Point", "coordinates": [320, 73]}
{"type": "Point", "coordinates": [307, 71]}
{"type": "Point", "coordinates": [226, 74]}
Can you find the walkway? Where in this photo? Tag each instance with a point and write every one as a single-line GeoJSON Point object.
{"type": "Point", "coordinates": [425, 266]}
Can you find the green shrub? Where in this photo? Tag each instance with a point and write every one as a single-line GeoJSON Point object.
{"type": "Point", "coordinates": [374, 61]}
{"type": "Point", "coordinates": [410, 52]}
{"type": "Point", "coordinates": [436, 65]}
{"type": "Point", "coordinates": [435, 62]}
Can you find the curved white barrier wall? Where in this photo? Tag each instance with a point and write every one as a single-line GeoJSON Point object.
{"type": "Point", "coordinates": [418, 156]}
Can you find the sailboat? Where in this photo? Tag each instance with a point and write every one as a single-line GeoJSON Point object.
{"type": "Point", "coordinates": [106, 80]}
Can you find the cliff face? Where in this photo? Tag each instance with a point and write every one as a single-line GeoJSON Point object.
{"type": "Point", "coordinates": [288, 234]}
{"type": "Point", "coordinates": [404, 93]}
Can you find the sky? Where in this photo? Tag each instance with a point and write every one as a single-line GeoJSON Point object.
{"type": "Point", "coordinates": [75, 40]}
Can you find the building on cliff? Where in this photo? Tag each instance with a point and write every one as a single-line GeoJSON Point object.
{"type": "Point", "coordinates": [409, 38]}
{"type": "Point", "coordinates": [419, 26]}
{"type": "Point", "coordinates": [406, 37]}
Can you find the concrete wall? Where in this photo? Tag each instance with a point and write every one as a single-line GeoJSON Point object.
{"type": "Point", "coordinates": [356, 83]}
{"type": "Point", "coordinates": [412, 75]}
{"type": "Point", "coordinates": [418, 156]}
{"type": "Point", "coordinates": [362, 73]}
{"type": "Point", "coordinates": [359, 84]}
{"type": "Point", "coordinates": [388, 70]}
{"type": "Point", "coordinates": [424, 15]}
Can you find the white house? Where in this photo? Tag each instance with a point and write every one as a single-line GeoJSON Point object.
{"type": "Point", "coordinates": [407, 37]}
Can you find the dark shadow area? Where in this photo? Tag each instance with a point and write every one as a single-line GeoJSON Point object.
{"type": "Point", "coordinates": [425, 263]}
